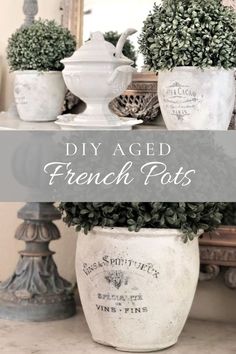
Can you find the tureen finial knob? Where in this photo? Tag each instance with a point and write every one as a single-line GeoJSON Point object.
{"type": "Point", "coordinates": [97, 36]}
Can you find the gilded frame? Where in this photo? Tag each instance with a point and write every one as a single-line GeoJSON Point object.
{"type": "Point", "coordinates": [72, 18]}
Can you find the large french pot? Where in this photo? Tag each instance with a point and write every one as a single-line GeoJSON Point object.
{"type": "Point", "coordinates": [196, 99]}
{"type": "Point", "coordinates": [136, 289]}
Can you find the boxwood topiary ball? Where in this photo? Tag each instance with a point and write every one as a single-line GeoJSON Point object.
{"type": "Point", "coordinates": [199, 33]}
{"type": "Point", "coordinates": [40, 47]}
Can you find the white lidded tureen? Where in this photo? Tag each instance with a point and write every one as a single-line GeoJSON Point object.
{"type": "Point", "coordinates": [97, 73]}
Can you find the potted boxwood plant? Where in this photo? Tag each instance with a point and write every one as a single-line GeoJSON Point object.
{"type": "Point", "coordinates": [136, 289]}
{"type": "Point", "coordinates": [192, 44]}
{"type": "Point", "coordinates": [34, 53]}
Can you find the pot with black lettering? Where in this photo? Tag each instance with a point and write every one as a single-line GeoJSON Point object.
{"type": "Point", "coordinates": [191, 44]}
{"type": "Point", "coordinates": [137, 268]}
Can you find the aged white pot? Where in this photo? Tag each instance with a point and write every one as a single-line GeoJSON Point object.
{"type": "Point", "coordinates": [196, 99]}
{"type": "Point", "coordinates": [39, 96]}
{"type": "Point", "coordinates": [136, 289]}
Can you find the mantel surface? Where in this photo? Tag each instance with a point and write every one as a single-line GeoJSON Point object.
{"type": "Point", "coordinates": [9, 122]}
{"type": "Point", "coordinates": [72, 337]}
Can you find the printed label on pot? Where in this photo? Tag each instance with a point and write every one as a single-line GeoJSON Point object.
{"type": "Point", "coordinates": [180, 100]}
{"type": "Point", "coordinates": [121, 304]}
{"type": "Point", "coordinates": [117, 285]}
{"type": "Point", "coordinates": [19, 95]}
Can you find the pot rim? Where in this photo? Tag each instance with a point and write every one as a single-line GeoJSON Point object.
{"type": "Point", "coordinates": [147, 232]}
{"type": "Point", "coordinates": [209, 68]}
{"type": "Point", "coordinates": [51, 72]}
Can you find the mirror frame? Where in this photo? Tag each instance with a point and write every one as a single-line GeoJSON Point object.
{"type": "Point", "coordinates": [73, 17]}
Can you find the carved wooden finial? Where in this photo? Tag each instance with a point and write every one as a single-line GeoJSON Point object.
{"type": "Point", "coordinates": [30, 9]}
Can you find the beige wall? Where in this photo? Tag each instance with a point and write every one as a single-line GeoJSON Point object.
{"type": "Point", "coordinates": [11, 18]}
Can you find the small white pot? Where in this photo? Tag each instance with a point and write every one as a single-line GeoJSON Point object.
{"type": "Point", "coordinates": [39, 96]}
{"type": "Point", "coordinates": [136, 289]}
{"type": "Point", "coordinates": [195, 99]}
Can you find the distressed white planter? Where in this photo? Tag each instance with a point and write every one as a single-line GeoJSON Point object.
{"type": "Point", "coordinates": [196, 99]}
{"type": "Point", "coordinates": [136, 289]}
{"type": "Point", "coordinates": [39, 96]}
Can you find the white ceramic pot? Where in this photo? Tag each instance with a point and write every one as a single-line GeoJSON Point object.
{"type": "Point", "coordinates": [39, 96]}
{"type": "Point", "coordinates": [196, 99]}
{"type": "Point", "coordinates": [136, 289]}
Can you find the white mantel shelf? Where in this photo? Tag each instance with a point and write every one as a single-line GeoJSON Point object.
{"type": "Point", "coordinates": [72, 337]}
{"type": "Point", "coordinates": [10, 122]}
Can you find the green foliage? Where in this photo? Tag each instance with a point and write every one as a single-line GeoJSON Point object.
{"type": "Point", "coordinates": [128, 50]}
{"type": "Point", "coordinates": [198, 33]}
{"type": "Point", "coordinates": [189, 217]}
{"type": "Point", "coordinates": [40, 47]}
{"type": "Point", "coordinates": [229, 214]}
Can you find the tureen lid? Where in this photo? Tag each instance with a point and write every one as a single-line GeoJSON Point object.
{"type": "Point", "coordinates": [96, 49]}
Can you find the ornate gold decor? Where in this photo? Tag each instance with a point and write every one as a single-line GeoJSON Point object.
{"type": "Point", "coordinates": [217, 250]}
{"type": "Point", "coordinates": [140, 100]}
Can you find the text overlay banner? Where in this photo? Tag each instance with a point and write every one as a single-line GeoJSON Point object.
{"type": "Point", "coordinates": [118, 166]}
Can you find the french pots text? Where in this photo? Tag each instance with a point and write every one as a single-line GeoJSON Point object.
{"type": "Point", "coordinates": [124, 172]}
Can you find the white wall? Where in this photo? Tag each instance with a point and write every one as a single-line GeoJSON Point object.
{"type": "Point", "coordinates": [110, 15]}
{"type": "Point", "coordinates": [11, 18]}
